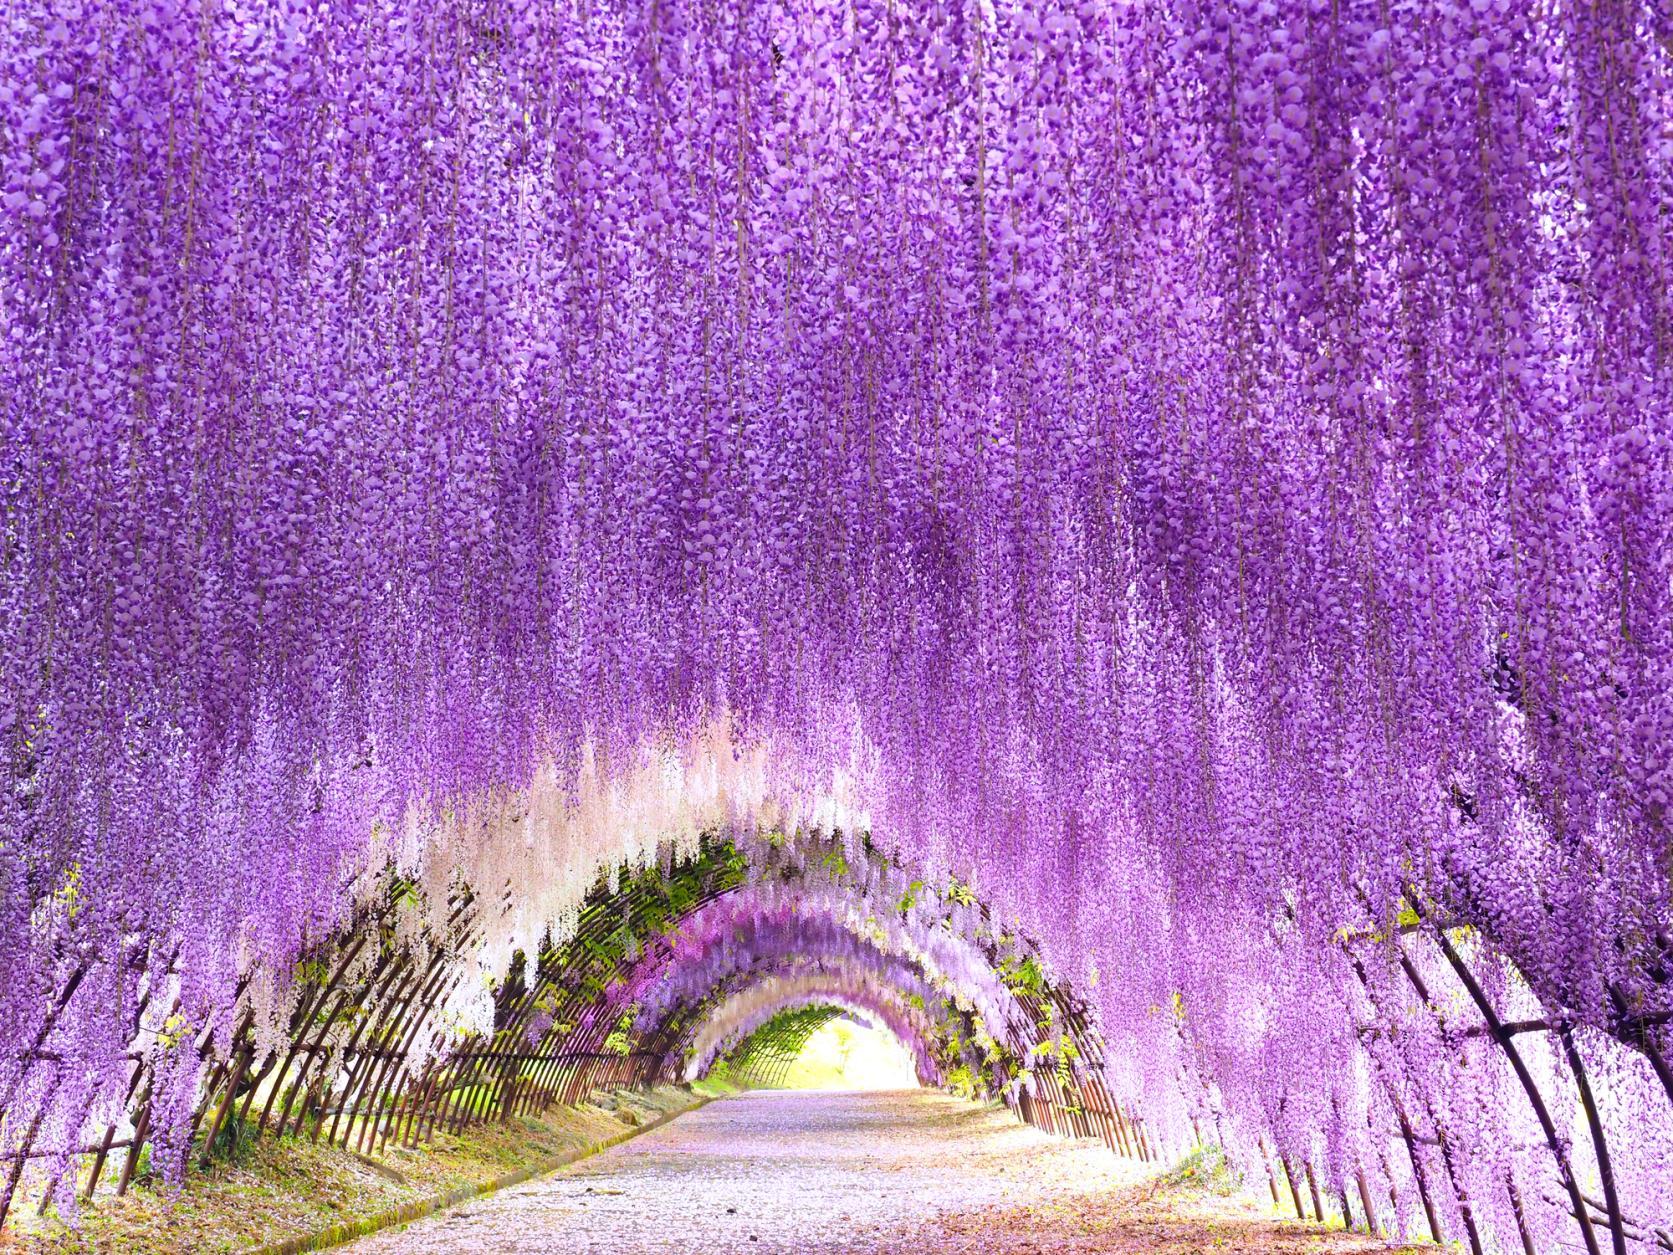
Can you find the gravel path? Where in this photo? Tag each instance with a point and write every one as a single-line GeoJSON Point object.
{"type": "Point", "coordinates": [797, 1171]}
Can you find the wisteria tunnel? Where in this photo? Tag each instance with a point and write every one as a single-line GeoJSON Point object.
{"type": "Point", "coordinates": [552, 551]}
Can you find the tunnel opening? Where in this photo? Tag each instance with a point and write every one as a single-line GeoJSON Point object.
{"type": "Point", "coordinates": [715, 965]}
{"type": "Point", "coordinates": [820, 1046]}
{"type": "Point", "coordinates": [719, 962]}
{"type": "Point", "coordinates": [1129, 540]}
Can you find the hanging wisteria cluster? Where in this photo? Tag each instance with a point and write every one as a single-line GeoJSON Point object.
{"type": "Point", "coordinates": [1201, 473]}
{"type": "Point", "coordinates": [840, 940]}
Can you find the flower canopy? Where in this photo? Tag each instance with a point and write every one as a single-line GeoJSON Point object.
{"type": "Point", "coordinates": [1199, 474]}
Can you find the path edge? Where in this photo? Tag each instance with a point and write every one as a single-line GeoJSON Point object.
{"type": "Point", "coordinates": [348, 1230]}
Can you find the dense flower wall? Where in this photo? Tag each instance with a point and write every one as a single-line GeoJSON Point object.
{"type": "Point", "coordinates": [1195, 472]}
{"type": "Point", "coordinates": [785, 932]}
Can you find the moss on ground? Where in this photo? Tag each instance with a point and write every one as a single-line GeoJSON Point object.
{"type": "Point", "coordinates": [280, 1188]}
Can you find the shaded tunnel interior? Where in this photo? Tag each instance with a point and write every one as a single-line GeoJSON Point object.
{"type": "Point", "coordinates": [730, 957]}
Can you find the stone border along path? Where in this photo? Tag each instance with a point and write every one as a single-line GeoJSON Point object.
{"type": "Point", "coordinates": [865, 1172]}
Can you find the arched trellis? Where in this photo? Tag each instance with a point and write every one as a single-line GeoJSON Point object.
{"type": "Point", "coordinates": [370, 998]}
{"type": "Point", "coordinates": [1072, 1097]}
{"type": "Point", "coordinates": [698, 1033]}
{"type": "Point", "coordinates": [758, 1006]}
{"type": "Point", "coordinates": [764, 1056]}
{"type": "Point", "coordinates": [756, 952]}
{"type": "Point", "coordinates": [368, 1059]}
{"type": "Point", "coordinates": [1485, 1019]}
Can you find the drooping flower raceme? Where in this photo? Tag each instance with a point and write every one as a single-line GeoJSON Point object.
{"type": "Point", "coordinates": [1195, 473]}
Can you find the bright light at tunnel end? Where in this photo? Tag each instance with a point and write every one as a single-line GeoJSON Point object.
{"type": "Point", "coordinates": [1129, 540]}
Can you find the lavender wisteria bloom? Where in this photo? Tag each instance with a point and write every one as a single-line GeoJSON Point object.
{"type": "Point", "coordinates": [1199, 474]}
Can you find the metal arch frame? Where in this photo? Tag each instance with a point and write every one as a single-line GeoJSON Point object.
{"type": "Point", "coordinates": [1589, 1214]}
{"type": "Point", "coordinates": [506, 1074]}
{"type": "Point", "coordinates": [353, 1035]}
{"type": "Point", "coordinates": [755, 966]}
{"type": "Point", "coordinates": [1012, 1033]}
{"type": "Point", "coordinates": [1503, 1035]}
{"type": "Point", "coordinates": [1092, 1111]}
{"type": "Point", "coordinates": [1083, 1109]}
{"type": "Point", "coordinates": [1123, 1129]}
{"type": "Point", "coordinates": [665, 1040]}
{"type": "Point", "coordinates": [392, 1001]}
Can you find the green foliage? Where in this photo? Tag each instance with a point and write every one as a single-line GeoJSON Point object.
{"type": "Point", "coordinates": [404, 895]}
{"type": "Point", "coordinates": [620, 1040]}
{"type": "Point", "coordinates": [1206, 1169]}
{"type": "Point", "coordinates": [646, 902]}
{"type": "Point", "coordinates": [235, 1139]}
{"type": "Point", "coordinates": [1023, 976]}
{"type": "Point", "coordinates": [963, 894]}
{"type": "Point", "coordinates": [68, 896]}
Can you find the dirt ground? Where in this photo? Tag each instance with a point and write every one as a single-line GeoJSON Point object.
{"type": "Point", "coordinates": [910, 1171]}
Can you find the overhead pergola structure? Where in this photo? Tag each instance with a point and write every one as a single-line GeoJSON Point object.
{"type": "Point", "coordinates": [672, 972]}
{"type": "Point", "coordinates": [370, 1056]}
{"type": "Point", "coordinates": [1150, 519]}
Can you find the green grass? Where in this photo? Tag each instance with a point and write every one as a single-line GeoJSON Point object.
{"type": "Point", "coordinates": [272, 1189]}
{"type": "Point", "coordinates": [716, 1085]}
